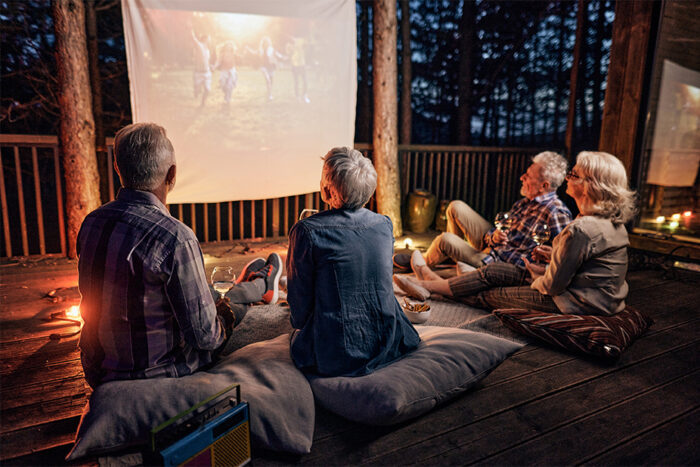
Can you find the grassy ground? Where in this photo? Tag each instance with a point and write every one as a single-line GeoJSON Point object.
{"type": "Point", "coordinates": [250, 120]}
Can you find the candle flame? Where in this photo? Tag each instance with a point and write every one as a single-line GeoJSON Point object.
{"type": "Point", "coordinates": [687, 213]}
{"type": "Point", "coordinates": [408, 243]}
{"type": "Point", "coordinates": [73, 312]}
{"type": "Point", "coordinates": [660, 219]}
{"type": "Point", "coordinates": [676, 217]}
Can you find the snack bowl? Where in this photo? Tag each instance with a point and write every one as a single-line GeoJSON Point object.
{"type": "Point", "coordinates": [416, 313]}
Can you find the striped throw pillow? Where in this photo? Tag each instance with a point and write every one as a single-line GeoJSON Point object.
{"type": "Point", "coordinates": [601, 336]}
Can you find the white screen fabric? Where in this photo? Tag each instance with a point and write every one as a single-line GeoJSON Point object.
{"type": "Point", "coordinates": [251, 93]}
{"type": "Point", "coordinates": [675, 153]}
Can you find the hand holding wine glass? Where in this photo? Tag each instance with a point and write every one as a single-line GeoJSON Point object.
{"type": "Point", "coordinates": [503, 223]}
{"type": "Point", "coordinates": [222, 279]}
{"type": "Point", "coordinates": [540, 234]}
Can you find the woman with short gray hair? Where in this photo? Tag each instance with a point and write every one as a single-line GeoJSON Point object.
{"type": "Point", "coordinates": [346, 318]}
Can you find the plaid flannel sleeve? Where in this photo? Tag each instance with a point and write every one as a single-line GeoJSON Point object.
{"type": "Point", "coordinates": [558, 220]}
{"type": "Point", "coordinates": [191, 298]}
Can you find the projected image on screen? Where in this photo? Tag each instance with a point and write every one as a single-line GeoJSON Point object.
{"type": "Point", "coordinates": [250, 101]}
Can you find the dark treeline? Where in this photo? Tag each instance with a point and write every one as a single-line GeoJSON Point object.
{"type": "Point", "coordinates": [482, 72]}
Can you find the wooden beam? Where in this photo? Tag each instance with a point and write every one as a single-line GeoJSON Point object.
{"type": "Point", "coordinates": [623, 94]}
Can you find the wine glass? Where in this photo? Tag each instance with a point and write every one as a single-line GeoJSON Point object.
{"type": "Point", "coordinates": [222, 278]}
{"type": "Point", "coordinates": [540, 234]}
{"type": "Point", "coordinates": [307, 213]}
{"type": "Point", "coordinates": [503, 221]}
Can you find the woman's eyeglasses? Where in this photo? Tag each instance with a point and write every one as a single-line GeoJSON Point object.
{"type": "Point", "coordinates": [574, 176]}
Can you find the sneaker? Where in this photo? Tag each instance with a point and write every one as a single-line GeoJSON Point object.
{"type": "Point", "coordinates": [270, 273]}
{"type": "Point", "coordinates": [412, 289]}
{"type": "Point", "coordinates": [464, 268]}
{"type": "Point", "coordinates": [249, 269]}
{"type": "Point", "coordinates": [402, 261]}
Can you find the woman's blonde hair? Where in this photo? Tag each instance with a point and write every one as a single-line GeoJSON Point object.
{"type": "Point", "coordinates": [606, 188]}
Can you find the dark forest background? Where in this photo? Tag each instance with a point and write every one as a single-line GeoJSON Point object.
{"type": "Point", "coordinates": [487, 73]}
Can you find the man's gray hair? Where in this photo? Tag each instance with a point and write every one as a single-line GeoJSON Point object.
{"type": "Point", "coordinates": [553, 167]}
{"type": "Point", "coordinates": [351, 174]}
{"type": "Point", "coordinates": [143, 154]}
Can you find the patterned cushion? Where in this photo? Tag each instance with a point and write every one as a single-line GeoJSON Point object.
{"type": "Point", "coordinates": [601, 336]}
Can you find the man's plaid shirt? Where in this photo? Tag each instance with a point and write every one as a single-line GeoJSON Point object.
{"type": "Point", "coordinates": [147, 308]}
{"type": "Point", "coordinates": [527, 215]}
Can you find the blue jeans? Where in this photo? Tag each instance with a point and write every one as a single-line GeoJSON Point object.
{"type": "Point", "coordinates": [500, 285]}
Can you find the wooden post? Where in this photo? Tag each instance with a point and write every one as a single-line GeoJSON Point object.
{"type": "Point", "coordinates": [623, 94]}
{"type": "Point", "coordinates": [385, 132]}
{"type": "Point", "coordinates": [77, 131]}
{"type": "Point", "coordinates": [406, 73]}
{"type": "Point", "coordinates": [96, 84]}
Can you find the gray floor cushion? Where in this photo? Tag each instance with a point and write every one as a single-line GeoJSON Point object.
{"type": "Point", "coordinates": [447, 362]}
{"type": "Point", "coordinates": [120, 414]}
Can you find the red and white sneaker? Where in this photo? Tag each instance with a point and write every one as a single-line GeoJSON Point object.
{"type": "Point", "coordinates": [270, 273]}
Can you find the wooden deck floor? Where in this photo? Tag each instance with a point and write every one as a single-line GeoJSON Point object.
{"type": "Point", "coordinates": [540, 407]}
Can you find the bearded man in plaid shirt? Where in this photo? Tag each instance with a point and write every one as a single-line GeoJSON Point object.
{"type": "Point", "coordinates": [473, 240]}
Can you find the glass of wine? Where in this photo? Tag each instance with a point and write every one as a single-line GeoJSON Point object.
{"type": "Point", "coordinates": [222, 278]}
{"type": "Point", "coordinates": [503, 221]}
{"type": "Point", "coordinates": [540, 234]}
{"type": "Point", "coordinates": [307, 213]}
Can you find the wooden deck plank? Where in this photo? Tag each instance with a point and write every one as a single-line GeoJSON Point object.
{"type": "Point", "coordinates": [478, 441]}
{"type": "Point", "coordinates": [661, 445]}
{"type": "Point", "coordinates": [623, 421]}
{"type": "Point", "coordinates": [486, 402]}
{"type": "Point", "coordinates": [46, 389]}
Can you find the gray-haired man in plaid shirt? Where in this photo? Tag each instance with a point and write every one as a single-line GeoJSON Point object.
{"type": "Point", "coordinates": [147, 307]}
{"type": "Point", "coordinates": [484, 244]}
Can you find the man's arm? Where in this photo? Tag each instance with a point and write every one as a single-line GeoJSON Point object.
{"type": "Point", "coordinates": [300, 276]}
{"type": "Point", "coordinates": [191, 299]}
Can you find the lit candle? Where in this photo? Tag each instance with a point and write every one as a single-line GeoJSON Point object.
{"type": "Point", "coordinates": [676, 217]}
{"type": "Point", "coordinates": [660, 219]}
{"type": "Point", "coordinates": [408, 243]}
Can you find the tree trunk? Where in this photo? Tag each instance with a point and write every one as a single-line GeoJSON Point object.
{"type": "Point", "coordinates": [96, 85]}
{"type": "Point", "coordinates": [559, 94]}
{"type": "Point", "coordinates": [406, 74]}
{"type": "Point", "coordinates": [573, 85]}
{"type": "Point", "coordinates": [364, 103]}
{"type": "Point", "coordinates": [597, 75]}
{"type": "Point", "coordinates": [467, 26]}
{"type": "Point", "coordinates": [77, 132]}
{"type": "Point", "coordinates": [385, 137]}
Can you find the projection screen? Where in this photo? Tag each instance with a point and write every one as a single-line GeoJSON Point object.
{"type": "Point", "coordinates": [251, 93]}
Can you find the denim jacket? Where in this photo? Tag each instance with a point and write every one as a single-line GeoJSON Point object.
{"type": "Point", "coordinates": [346, 318]}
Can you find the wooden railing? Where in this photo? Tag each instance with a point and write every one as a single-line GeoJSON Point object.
{"type": "Point", "coordinates": [33, 220]}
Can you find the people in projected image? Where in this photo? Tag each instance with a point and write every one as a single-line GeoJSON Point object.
{"type": "Point", "coordinates": [226, 64]}
{"type": "Point", "coordinates": [269, 56]}
{"type": "Point", "coordinates": [297, 55]}
{"type": "Point", "coordinates": [202, 66]}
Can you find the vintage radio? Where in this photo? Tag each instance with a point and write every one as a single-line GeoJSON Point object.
{"type": "Point", "coordinates": [214, 432]}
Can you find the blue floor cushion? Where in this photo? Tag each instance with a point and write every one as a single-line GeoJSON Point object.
{"type": "Point", "coordinates": [447, 362]}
